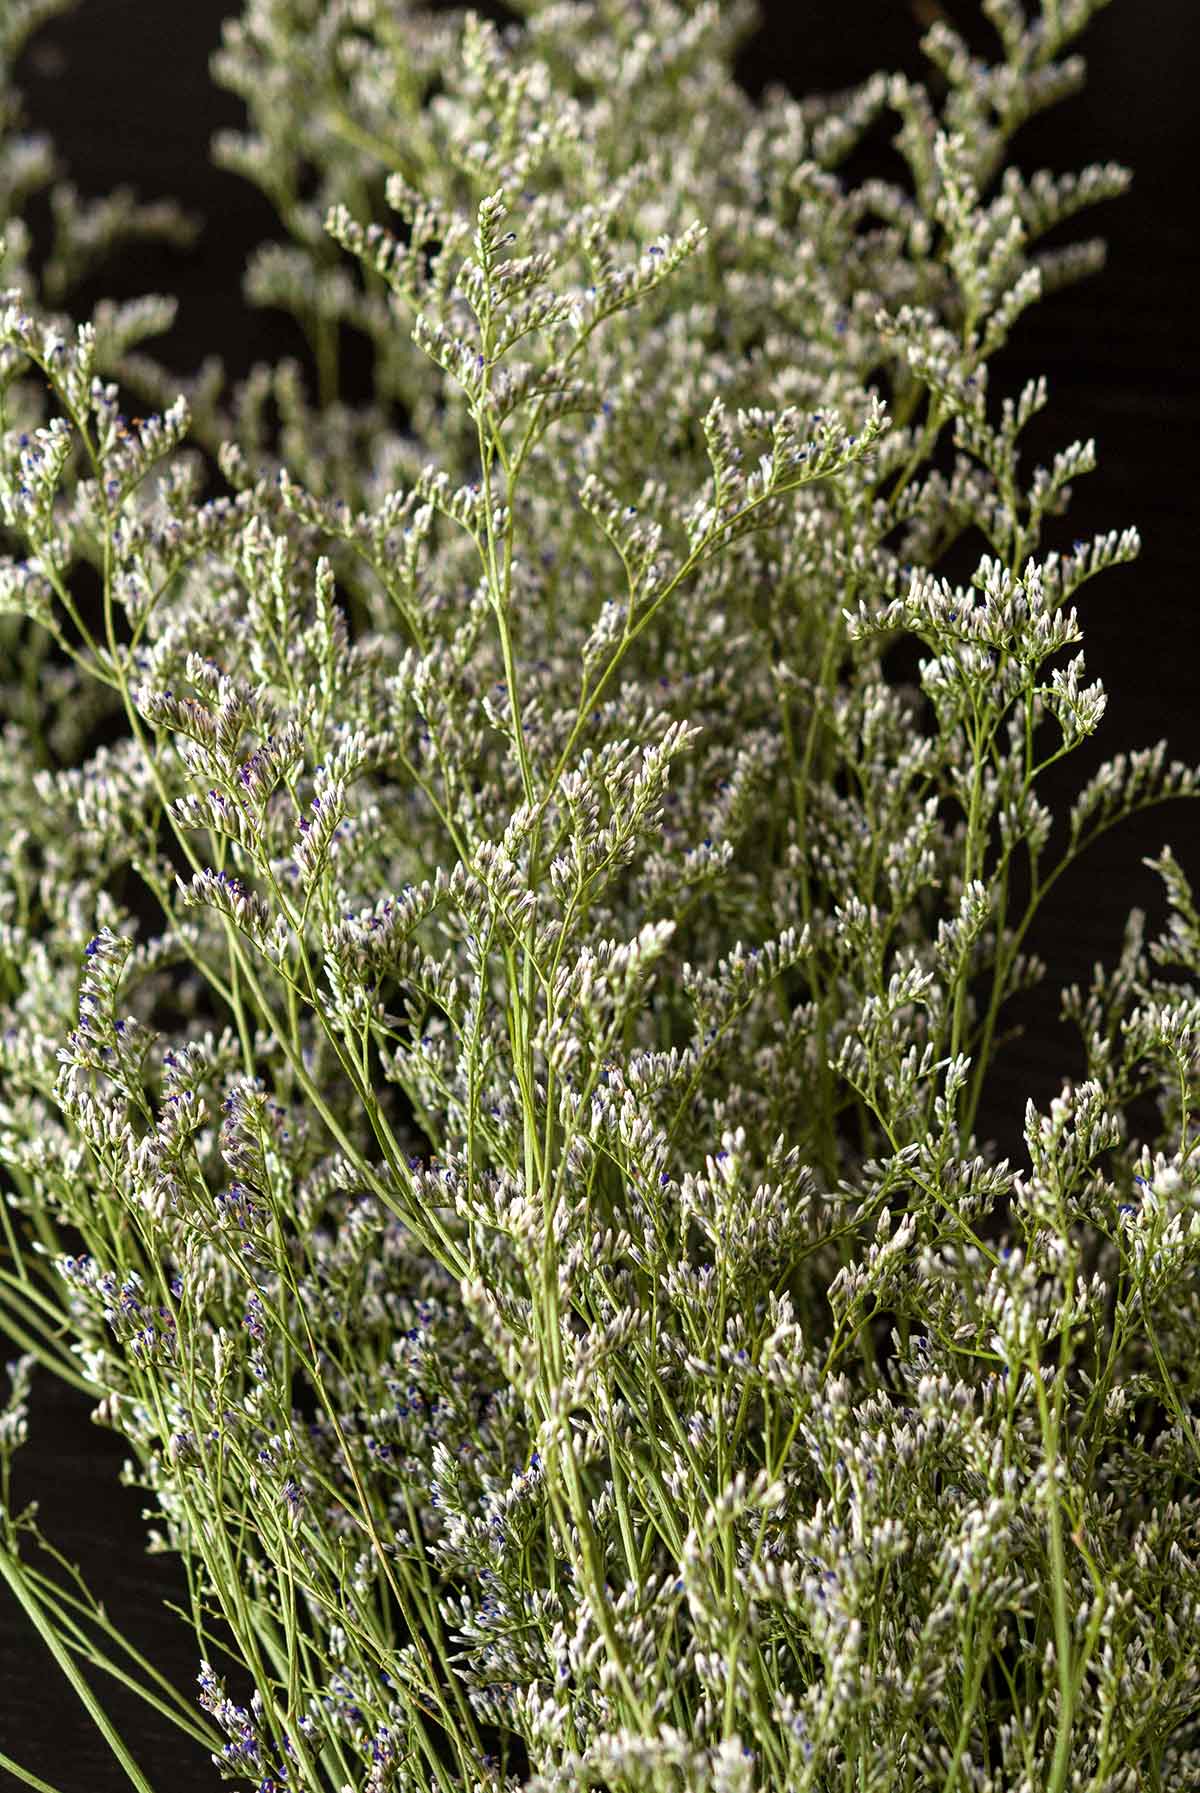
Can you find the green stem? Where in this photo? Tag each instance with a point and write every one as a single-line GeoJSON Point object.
{"type": "Point", "coordinates": [26, 1776]}
{"type": "Point", "coordinates": [19, 1583]}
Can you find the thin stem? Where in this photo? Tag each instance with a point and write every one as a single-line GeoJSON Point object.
{"type": "Point", "coordinates": [21, 1587]}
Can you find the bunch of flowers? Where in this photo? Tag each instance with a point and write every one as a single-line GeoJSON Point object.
{"type": "Point", "coordinates": [492, 1040]}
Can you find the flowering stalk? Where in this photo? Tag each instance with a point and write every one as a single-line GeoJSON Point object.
{"type": "Point", "coordinates": [491, 1052]}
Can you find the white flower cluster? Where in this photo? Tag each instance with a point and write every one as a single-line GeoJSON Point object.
{"type": "Point", "coordinates": [491, 1046]}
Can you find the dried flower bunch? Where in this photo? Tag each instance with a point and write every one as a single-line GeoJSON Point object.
{"type": "Point", "coordinates": [493, 1037]}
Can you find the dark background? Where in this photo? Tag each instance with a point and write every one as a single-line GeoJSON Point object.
{"type": "Point", "coordinates": [123, 86]}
